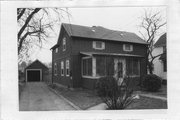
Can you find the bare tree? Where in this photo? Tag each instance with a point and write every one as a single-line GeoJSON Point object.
{"type": "Point", "coordinates": [35, 25]}
{"type": "Point", "coordinates": [151, 25]}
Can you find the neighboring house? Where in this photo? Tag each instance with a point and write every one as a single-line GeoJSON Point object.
{"type": "Point", "coordinates": [160, 63]}
{"type": "Point", "coordinates": [84, 54]}
{"type": "Point", "coordinates": [35, 72]}
{"type": "Point", "coordinates": [22, 66]}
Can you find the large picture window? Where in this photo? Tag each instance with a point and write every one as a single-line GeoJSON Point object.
{"type": "Point", "coordinates": [134, 67]}
{"type": "Point", "coordinates": [87, 66]}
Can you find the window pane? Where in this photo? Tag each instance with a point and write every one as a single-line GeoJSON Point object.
{"type": "Point", "coordinates": [109, 66]}
{"type": "Point", "coordinates": [127, 47]}
{"type": "Point", "coordinates": [130, 67]}
{"type": "Point", "coordinates": [100, 66]}
{"type": "Point", "coordinates": [98, 44]}
{"type": "Point", "coordinates": [135, 67]}
{"type": "Point", "coordinates": [89, 61]}
{"type": "Point", "coordinates": [84, 67]}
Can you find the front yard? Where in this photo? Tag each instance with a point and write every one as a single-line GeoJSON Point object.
{"type": "Point", "coordinates": [82, 98]}
{"type": "Point", "coordinates": [148, 103]}
{"type": "Point", "coordinates": [85, 99]}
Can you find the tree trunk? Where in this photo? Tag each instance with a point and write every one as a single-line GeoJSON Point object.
{"type": "Point", "coordinates": [150, 67]}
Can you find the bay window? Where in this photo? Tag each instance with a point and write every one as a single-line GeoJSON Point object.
{"type": "Point", "coordinates": [134, 67]}
{"type": "Point", "coordinates": [87, 66]}
{"type": "Point", "coordinates": [100, 66]}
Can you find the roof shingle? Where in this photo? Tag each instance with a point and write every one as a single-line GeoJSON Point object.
{"type": "Point", "coordinates": [98, 32]}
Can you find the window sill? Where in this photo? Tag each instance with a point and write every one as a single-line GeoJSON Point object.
{"type": "Point", "coordinates": [128, 50]}
{"type": "Point", "coordinates": [91, 77]}
{"type": "Point", "coordinates": [134, 75]}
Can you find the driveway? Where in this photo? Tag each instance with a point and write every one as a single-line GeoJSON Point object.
{"type": "Point", "coordinates": [36, 96]}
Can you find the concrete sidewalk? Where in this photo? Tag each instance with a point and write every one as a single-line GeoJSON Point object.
{"type": "Point", "coordinates": [154, 96]}
{"type": "Point", "coordinates": [101, 106]}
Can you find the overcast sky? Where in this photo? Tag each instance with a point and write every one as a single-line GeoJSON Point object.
{"type": "Point", "coordinates": [115, 18]}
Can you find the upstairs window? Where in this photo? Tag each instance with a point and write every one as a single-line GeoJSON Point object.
{"type": "Point", "coordinates": [55, 68]}
{"type": "Point", "coordinates": [56, 50]}
{"type": "Point", "coordinates": [62, 68]}
{"type": "Point", "coordinates": [127, 47]}
{"type": "Point", "coordinates": [67, 68]}
{"type": "Point", "coordinates": [98, 45]}
{"type": "Point", "coordinates": [64, 44]}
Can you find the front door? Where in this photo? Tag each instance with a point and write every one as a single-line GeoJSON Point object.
{"type": "Point", "coordinates": [120, 69]}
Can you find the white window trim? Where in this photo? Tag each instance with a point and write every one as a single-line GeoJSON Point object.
{"type": "Point", "coordinates": [94, 45]}
{"type": "Point", "coordinates": [62, 63]}
{"type": "Point", "coordinates": [94, 74]}
{"type": "Point", "coordinates": [85, 76]}
{"type": "Point", "coordinates": [55, 64]}
{"type": "Point", "coordinates": [91, 77]}
{"type": "Point", "coordinates": [124, 48]}
{"type": "Point", "coordinates": [67, 68]}
{"type": "Point", "coordinates": [64, 44]}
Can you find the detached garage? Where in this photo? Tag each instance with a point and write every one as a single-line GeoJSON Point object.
{"type": "Point", "coordinates": [35, 72]}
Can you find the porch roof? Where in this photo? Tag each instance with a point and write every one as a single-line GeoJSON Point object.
{"type": "Point", "coordinates": [109, 54]}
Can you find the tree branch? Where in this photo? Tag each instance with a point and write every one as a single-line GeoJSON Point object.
{"type": "Point", "coordinates": [27, 21]}
{"type": "Point", "coordinates": [21, 13]}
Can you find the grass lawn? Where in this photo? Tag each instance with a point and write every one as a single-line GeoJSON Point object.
{"type": "Point", "coordinates": [85, 99]}
{"type": "Point", "coordinates": [162, 92]}
{"type": "Point", "coordinates": [82, 98]}
{"type": "Point", "coordinates": [148, 103]}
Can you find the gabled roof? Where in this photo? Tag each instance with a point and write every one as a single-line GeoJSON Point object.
{"type": "Point", "coordinates": [98, 32]}
{"type": "Point", "coordinates": [161, 41]}
{"type": "Point", "coordinates": [35, 63]}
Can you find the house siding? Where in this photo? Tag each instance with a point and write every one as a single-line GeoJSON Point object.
{"type": "Point", "coordinates": [85, 45]}
{"type": "Point", "coordinates": [158, 64]}
{"type": "Point", "coordinates": [75, 45]}
{"type": "Point", "coordinates": [62, 56]}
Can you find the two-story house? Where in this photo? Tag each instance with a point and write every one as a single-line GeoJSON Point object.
{"type": "Point", "coordinates": [160, 63]}
{"type": "Point", "coordinates": [84, 54]}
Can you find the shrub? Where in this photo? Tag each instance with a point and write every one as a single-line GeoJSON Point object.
{"type": "Point", "coordinates": [115, 97]}
{"type": "Point", "coordinates": [103, 85]}
{"type": "Point", "coordinates": [151, 82]}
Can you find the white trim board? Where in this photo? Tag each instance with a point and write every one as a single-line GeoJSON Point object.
{"type": "Point", "coordinates": [32, 70]}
